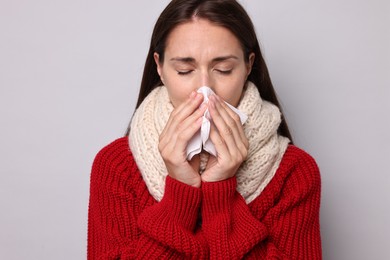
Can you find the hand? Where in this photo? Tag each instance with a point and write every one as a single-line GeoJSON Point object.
{"type": "Point", "coordinates": [183, 123]}
{"type": "Point", "coordinates": [229, 140]}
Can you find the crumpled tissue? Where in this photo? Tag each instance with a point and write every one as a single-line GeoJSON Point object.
{"type": "Point", "coordinates": [201, 138]}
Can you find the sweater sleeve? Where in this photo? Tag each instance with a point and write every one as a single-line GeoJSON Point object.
{"type": "Point", "coordinates": [285, 226]}
{"type": "Point", "coordinates": [172, 223]}
{"type": "Point", "coordinates": [125, 222]}
{"type": "Point", "coordinates": [228, 225]}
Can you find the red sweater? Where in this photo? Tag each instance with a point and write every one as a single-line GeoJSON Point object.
{"type": "Point", "coordinates": [211, 222]}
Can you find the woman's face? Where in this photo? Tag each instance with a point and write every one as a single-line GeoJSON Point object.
{"type": "Point", "coordinates": [199, 53]}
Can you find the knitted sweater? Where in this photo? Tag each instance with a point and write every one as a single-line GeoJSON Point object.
{"type": "Point", "coordinates": [210, 222]}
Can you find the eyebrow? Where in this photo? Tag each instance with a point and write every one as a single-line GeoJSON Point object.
{"type": "Point", "coordinates": [223, 58]}
{"type": "Point", "coordinates": [184, 59]}
{"type": "Point", "coordinates": [192, 60]}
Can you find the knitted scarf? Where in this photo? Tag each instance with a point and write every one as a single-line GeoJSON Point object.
{"type": "Point", "coordinates": [266, 147]}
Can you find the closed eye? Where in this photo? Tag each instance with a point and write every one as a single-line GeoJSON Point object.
{"type": "Point", "coordinates": [225, 72]}
{"type": "Point", "coordinates": [184, 72]}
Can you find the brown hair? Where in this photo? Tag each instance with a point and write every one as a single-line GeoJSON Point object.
{"type": "Point", "coordinates": [226, 13]}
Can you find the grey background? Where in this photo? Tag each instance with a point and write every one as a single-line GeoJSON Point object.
{"type": "Point", "coordinates": [69, 77]}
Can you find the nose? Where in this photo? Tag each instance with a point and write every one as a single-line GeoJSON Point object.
{"type": "Point", "coordinates": [206, 80]}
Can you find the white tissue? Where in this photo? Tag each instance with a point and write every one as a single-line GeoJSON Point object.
{"type": "Point", "coordinates": [201, 138]}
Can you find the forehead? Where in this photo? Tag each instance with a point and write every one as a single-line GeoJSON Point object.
{"type": "Point", "coordinates": [200, 37]}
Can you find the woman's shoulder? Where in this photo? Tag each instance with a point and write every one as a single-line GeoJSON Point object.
{"type": "Point", "coordinates": [116, 154]}
{"type": "Point", "coordinates": [117, 148]}
{"type": "Point", "coordinates": [295, 156]}
{"type": "Point", "coordinates": [297, 178]}
{"type": "Point", "coordinates": [299, 167]}
{"type": "Point", "coordinates": [118, 145]}
{"type": "Point", "coordinates": [115, 171]}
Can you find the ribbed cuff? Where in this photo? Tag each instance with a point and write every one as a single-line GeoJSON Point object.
{"type": "Point", "coordinates": [182, 201]}
{"type": "Point", "coordinates": [218, 196]}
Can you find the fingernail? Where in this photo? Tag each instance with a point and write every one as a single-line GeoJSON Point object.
{"type": "Point", "coordinates": [193, 93]}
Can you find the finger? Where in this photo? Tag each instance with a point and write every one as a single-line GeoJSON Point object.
{"type": "Point", "coordinates": [219, 143]}
{"type": "Point", "coordinates": [225, 124]}
{"type": "Point", "coordinates": [179, 134]}
{"type": "Point", "coordinates": [188, 101]}
{"type": "Point", "coordinates": [229, 127]}
{"type": "Point", "coordinates": [237, 121]}
{"type": "Point", "coordinates": [183, 111]}
{"type": "Point", "coordinates": [189, 106]}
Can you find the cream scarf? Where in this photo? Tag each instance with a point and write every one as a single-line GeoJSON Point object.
{"type": "Point", "coordinates": [266, 147]}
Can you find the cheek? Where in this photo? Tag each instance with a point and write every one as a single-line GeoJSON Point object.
{"type": "Point", "coordinates": [174, 92]}
{"type": "Point", "coordinates": [233, 97]}
{"type": "Point", "coordinates": [231, 91]}
{"type": "Point", "coordinates": [176, 98]}
{"type": "Point", "coordinates": [177, 93]}
{"type": "Point", "coordinates": [179, 88]}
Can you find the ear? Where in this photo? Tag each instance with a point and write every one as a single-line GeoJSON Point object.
{"type": "Point", "coordinates": [250, 63]}
{"type": "Point", "coordinates": [156, 57]}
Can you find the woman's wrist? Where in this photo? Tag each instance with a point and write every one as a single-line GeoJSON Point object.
{"type": "Point", "coordinates": [194, 182]}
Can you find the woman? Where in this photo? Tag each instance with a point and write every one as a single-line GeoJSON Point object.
{"type": "Point", "coordinates": [257, 197]}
